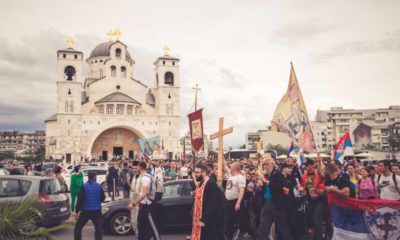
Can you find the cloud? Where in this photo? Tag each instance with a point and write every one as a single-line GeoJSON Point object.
{"type": "Point", "coordinates": [389, 42]}
{"type": "Point", "coordinates": [295, 34]}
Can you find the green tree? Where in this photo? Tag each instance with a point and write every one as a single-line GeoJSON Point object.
{"type": "Point", "coordinates": [280, 150]}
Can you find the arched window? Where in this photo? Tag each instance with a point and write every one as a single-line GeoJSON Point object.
{"type": "Point", "coordinates": [101, 73]}
{"type": "Point", "coordinates": [118, 53]}
{"type": "Point", "coordinates": [169, 78]}
{"type": "Point", "coordinates": [123, 72]}
{"type": "Point", "coordinates": [113, 71]}
{"type": "Point", "coordinates": [69, 73]}
{"type": "Point", "coordinates": [66, 107]}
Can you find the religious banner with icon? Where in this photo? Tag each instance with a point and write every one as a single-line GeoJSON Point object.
{"type": "Point", "coordinates": [291, 116]}
{"type": "Point", "coordinates": [149, 146]}
{"type": "Point", "coordinates": [196, 129]}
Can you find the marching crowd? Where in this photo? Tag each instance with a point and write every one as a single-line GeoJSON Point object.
{"type": "Point", "coordinates": [258, 201]}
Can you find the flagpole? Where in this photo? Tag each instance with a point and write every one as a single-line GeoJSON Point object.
{"type": "Point", "coordinates": [196, 88]}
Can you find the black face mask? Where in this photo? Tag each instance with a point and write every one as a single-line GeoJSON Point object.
{"type": "Point", "coordinates": [199, 178]}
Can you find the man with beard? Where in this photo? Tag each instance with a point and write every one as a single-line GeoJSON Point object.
{"type": "Point", "coordinates": [206, 215]}
{"type": "Point", "coordinates": [134, 193]}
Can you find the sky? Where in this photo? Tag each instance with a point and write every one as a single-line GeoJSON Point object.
{"type": "Point", "coordinates": [345, 53]}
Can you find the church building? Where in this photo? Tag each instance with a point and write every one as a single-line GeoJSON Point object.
{"type": "Point", "coordinates": [104, 114]}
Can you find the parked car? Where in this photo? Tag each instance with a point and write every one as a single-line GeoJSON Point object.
{"type": "Point", "coordinates": [54, 207]}
{"type": "Point", "coordinates": [175, 209]}
{"type": "Point", "coordinates": [100, 178]}
{"type": "Point", "coordinates": [4, 172]}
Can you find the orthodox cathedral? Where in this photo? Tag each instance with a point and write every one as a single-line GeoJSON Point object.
{"type": "Point", "coordinates": [104, 114]}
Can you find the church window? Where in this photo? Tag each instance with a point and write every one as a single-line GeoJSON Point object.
{"type": "Point", "coordinates": [110, 108]}
{"type": "Point", "coordinates": [173, 63]}
{"type": "Point", "coordinates": [123, 72]}
{"type": "Point", "coordinates": [98, 122]}
{"type": "Point", "coordinates": [69, 121]}
{"type": "Point", "coordinates": [69, 73]}
{"type": "Point", "coordinates": [64, 55]}
{"type": "Point", "coordinates": [169, 78]}
{"type": "Point", "coordinates": [118, 53]}
{"type": "Point", "coordinates": [120, 109]}
{"type": "Point", "coordinates": [170, 109]}
{"type": "Point", "coordinates": [170, 123]}
{"type": "Point", "coordinates": [163, 62]}
{"type": "Point", "coordinates": [113, 71]}
{"type": "Point", "coordinates": [84, 122]}
{"type": "Point", "coordinates": [101, 73]}
{"type": "Point", "coordinates": [118, 87]}
{"type": "Point", "coordinates": [95, 61]}
{"type": "Point", "coordinates": [76, 56]}
{"type": "Point", "coordinates": [157, 78]}
{"type": "Point", "coordinates": [101, 109]}
{"type": "Point", "coordinates": [101, 60]}
{"type": "Point", "coordinates": [66, 107]}
{"type": "Point", "coordinates": [71, 106]}
{"type": "Point", "coordinates": [129, 109]}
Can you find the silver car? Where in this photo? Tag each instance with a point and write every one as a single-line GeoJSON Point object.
{"type": "Point", "coordinates": [54, 205]}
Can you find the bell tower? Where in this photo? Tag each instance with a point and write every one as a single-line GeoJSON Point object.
{"type": "Point", "coordinates": [166, 89]}
{"type": "Point", "coordinates": [69, 82]}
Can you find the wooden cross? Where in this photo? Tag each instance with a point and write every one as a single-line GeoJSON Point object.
{"type": "Point", "coordinates": [196, 88]}
{"type": "Point", "coordinates": [260, 157]}
{"type": "Point", "coordinates": [220, 135]}
{"type": "Point", "coordinates": [70, 42]}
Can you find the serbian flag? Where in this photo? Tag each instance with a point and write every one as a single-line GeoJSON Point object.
{"type": "Point", "coordinates": [196, 129]}
{"type": "Point", "coordinates": [343, 148]}
{"type": "Point", "coordinates": [291, 149]}
{"type": "Point", "coordinates": [300, 156]}
{"type": "Point", "coordinates": [364, 219]}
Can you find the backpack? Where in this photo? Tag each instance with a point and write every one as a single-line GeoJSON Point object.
{"type": "Point", "coordinates": [394, 180]}
{"type": "Point", "coordinates": [125, 177]}
{"type": "Point", "coordinates": [156, 190]}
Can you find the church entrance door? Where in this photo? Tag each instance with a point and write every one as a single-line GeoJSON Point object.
{"type": "Point", "coordinates": [118, 151]}
{"type": "Point", "coordinates": [104, 156]}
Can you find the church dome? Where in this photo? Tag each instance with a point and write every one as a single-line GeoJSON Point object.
{"type": "Point", "coordinates": [103, 50]}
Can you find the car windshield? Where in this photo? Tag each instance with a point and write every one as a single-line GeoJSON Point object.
{"type": "Point", "coordinates": [49, 187]}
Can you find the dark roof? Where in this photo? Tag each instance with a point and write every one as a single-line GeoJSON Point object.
{"type": "Point", "coordinates": [150, 99]}
{"type": "Point", "coordinates": [69, 50]}
{"type": "Point", "coordinates": [117, 97]}
{"type": "Point", "coordinates": [51, 118]}
{"type": "Point", "coordinates": [103, 50]}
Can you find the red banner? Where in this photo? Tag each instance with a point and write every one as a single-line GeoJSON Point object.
{"type": "Point", "coordinates": [196, 129]}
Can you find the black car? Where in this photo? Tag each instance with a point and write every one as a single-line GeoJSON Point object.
{"type": "Point", "coordinates": [174, 210]}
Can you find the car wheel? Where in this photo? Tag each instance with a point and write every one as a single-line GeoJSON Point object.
{"type": "Point", "coordinates": [120, 224]}
{"type": "Point", "coordinates": [104, 186]}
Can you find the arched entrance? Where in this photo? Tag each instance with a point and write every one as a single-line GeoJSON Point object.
{"type": "Point", "coordinates": [116, 142]}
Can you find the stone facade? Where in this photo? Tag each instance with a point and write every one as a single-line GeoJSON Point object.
{"type": "Point", "coordinates": [110, 101]}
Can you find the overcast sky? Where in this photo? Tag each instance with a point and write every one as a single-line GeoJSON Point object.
{"type": "Point", "coordinates": [345, 53]}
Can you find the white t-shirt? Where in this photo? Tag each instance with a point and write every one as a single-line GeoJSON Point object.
{"type": "Point", "coordinates": [233, 186]}
{"type": "Point", "coordinates": [159, 173]}
{"type": "Point", "coordinates": [184, 172]}
{"type": "Point", "coordinates": [388, 188]}
{"type": "Point", "coordinates": [145, 181]}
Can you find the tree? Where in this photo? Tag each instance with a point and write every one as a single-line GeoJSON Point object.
{"type": "Point", "coordinates": [280, 150]}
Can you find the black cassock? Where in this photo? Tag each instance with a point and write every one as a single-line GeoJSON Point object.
{"type": "Point", "coordinates": [211, 212]}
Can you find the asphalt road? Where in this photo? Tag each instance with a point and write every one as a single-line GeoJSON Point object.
{"type": "Point", "coordinates": [88, 234]}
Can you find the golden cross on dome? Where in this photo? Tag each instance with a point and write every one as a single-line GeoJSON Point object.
{"type": "Point", "coordinates": [110, 35]}
{"type": "Point", "coordinates": [117, 33]}
{"type": "Point", "coordinates": [166, 50]}
{"type": "Point", "coordinates": [70, 42]}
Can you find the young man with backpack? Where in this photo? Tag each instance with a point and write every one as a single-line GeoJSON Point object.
{"type": "Point", "coordinates": [147, 222]}
{"type": "Point", "coordinates": [387, 183]}
{"type": "Point", "coordinates": [125, 178]}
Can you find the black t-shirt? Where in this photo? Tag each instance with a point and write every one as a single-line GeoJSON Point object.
{"type": "Point", "coordinates": [340, 182]}
{"type": "Point", "coordinates": [278, 182]}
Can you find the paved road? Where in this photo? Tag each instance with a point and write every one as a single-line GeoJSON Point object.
{"type": "Point", "coordinates": [88, 234]}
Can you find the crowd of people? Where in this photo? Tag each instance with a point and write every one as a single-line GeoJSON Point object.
{"type": "Point", "coordinates": [258, 201]}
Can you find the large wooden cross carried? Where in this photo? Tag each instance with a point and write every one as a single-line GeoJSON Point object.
{"type": "Point", "coordinates": [220, 135]}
